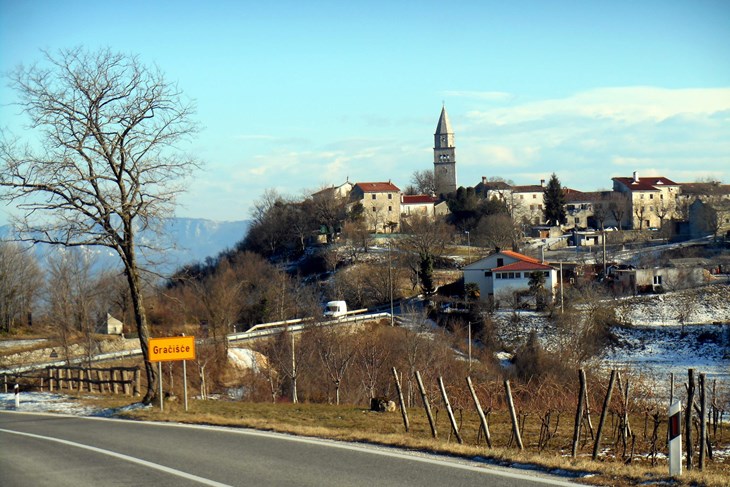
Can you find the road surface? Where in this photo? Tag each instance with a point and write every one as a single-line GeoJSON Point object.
{"type": "Point", "coordinates": [56, 450]}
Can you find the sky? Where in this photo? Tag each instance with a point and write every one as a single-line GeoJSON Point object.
{"type": "Point", "coordinates": [296, 95]}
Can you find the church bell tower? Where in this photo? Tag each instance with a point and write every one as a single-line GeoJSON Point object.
{"type": "Point", "coordinates": [444, 156]}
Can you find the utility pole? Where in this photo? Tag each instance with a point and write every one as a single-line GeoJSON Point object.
{"type": "Point", "coordinates": [561, 287]}
{"type": "Point", "coordinates": [390, 282]}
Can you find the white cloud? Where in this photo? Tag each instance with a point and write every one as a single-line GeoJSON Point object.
{"type": "Point", "coordinates": [629, 105]}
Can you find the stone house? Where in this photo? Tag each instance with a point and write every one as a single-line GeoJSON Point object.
{"type": "Point", "coordinates": [381, 205]}
{"type": "Point", "coordinates": [109, 325]}
{"type": "Point", "coordinates": [652, 201]}
{"type": "Point", "coordinates": [655, 279]}
{"type": "Point", "coordinates": [709, 217]}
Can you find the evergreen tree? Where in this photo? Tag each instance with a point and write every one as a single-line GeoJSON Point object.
{"type": "Point", "coordinates": [554, 202]}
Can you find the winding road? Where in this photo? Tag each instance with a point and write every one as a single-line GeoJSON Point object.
{"type": "Point", "coordinates": [58, 450]}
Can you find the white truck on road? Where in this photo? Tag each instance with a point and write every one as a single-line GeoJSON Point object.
{"type": "Point", "coordinates": [335, 309]}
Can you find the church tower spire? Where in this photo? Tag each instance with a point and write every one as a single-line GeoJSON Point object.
{"type": "Point", "coordinates": [444, 155]}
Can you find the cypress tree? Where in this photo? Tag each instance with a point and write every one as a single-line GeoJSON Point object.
{"type": "Point", "coordinates": [554, 200]}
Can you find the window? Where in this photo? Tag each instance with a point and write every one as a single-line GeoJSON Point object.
{"type": "Point", "coordinates": [547, 273]}
{"type": "Point", "coordinates": [651, 196]}
{"type": "Point", "coordinates": [375, 209]}
{"type": "Point", "coordinates": [534, 196]}
{"type": "Point", "coordinates": [488, 274]}
{"type": "Point", "coordinates": [390, 196]}
{"type": "Point", "coordinates": [498, 275]}
{"type": "Point", "coordinates": [517, 275]}
{"type": "Point", "coordinates": [642, 196]}
{"type": "Point", "coordinates": [522, 196]}
{"type": "Point", "coordinates": [511, 275]}
{"type": "Point", "coordinates": [577, 220]}
{"type": "Point", "coordinates": [539, 207]}
{"type": "Point", "coordinates": [390, 208]}
{"type": "Point", "coordinates": [372, 196]}
{"type": "Point", "coordinates": [657, 280]}
{"type": "Point", "coordinates": [500, 262]}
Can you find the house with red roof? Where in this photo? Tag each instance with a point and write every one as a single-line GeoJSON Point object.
{"type": "Point", "coordinates": [381, 205]}
{"type": "Point", "coordinates": [505, 272]}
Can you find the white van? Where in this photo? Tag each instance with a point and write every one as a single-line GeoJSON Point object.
{"type": "Point", "coordinates": [335, 309]}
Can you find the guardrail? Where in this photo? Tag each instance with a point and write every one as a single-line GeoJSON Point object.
{"type": "Point", "coordinates": [257, 331]}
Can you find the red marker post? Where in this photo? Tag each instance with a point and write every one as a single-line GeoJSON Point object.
{"type": "Point", "coordinates": [675, 439]}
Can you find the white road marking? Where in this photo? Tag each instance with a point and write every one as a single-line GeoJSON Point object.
{"type": "Point", "coordinates": [374, 449]}
{"type": "Point", "coordinates": [127, 458]}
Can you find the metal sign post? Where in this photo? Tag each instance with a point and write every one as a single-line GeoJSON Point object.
{"type": "Point", "coordinates": [172, 349]}
{"type": "Point", "coordinates": [675, 439]}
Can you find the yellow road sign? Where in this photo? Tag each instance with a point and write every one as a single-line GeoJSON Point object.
{"type": "Point", "coordinates": [171, 348]}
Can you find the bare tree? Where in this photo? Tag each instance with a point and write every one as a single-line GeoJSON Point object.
{"type": "Point", "coordinates": [640, 211]}
{"type": "Point", "coordinates": [423, 182]}
{"type": "Point", "coordinates": [20, 284]}
{"type": "Point", "coordinates": [109, 164]}
{"type": "Point", "coordinates": [497, 231]}
{"type": "Point", "coordinates": [618, 206]}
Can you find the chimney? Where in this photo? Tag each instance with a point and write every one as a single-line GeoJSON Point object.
{"type": "Point", "coordinates": [636, 176]}
{"type": "Point", "coordinates": [542, 183]}
{"type": "Point", "coordinates": [484, 180]}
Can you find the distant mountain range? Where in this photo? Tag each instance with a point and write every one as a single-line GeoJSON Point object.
{"type": "Point", "coordinates": [183, 241]}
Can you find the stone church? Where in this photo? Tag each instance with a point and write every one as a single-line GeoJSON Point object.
{"type": "Point", "coordinates": [444, 156]}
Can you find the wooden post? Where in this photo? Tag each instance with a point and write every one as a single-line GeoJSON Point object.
{"type": "Point", "coordinates": [513, 415]}
{"type": "Point", "coordinates": [579, 412]}
{"type": "Point", "coordinates": [480, 412]}
{"type": "Point", "coordinates": [5, 383]}
{"type": "Point", "coordinates": [61, 375]}
{"type": "Point", "coordinates": [402, 402]}
{"type": "Point", "coordinates": [587, 409]}
{"type": "Point", "coordinates": [688, 416]}
{"type": "Point", "coordinates": [126, 386]}
{"type": "Point", "coordinates": [50, 379]}
{"type": "Point", "coordinates": [449, 410]}
{"type": "Point", "coordinates": [115, 383]}
{"type": "Point", "coordinates": [426, 405]}
{"type": "Point", "coordinates": [604, 413]}
{"type": "Point", "coordinates": [136, 382]}
{"type": "Point", "coordinates": [703, 422]}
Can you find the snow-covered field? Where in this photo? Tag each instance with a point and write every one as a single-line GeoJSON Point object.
{"type": "Point", "coordinates": [654, 344]}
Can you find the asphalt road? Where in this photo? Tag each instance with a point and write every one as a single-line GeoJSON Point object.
{"type": "Point", "coordinates": [55, 450]}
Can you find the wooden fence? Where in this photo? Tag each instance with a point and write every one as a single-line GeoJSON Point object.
{"type": "Point", "coordinates": [116, 380]}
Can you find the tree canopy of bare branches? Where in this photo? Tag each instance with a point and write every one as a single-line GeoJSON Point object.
{"type": "Point", "coordinates": [108, 163]}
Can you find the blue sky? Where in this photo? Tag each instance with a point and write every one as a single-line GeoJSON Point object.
{"type": "Point", "coordinates": [294, 95]}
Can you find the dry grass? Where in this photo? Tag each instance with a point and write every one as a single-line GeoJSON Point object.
{"type": "Point", "coordinates": [356, 424]}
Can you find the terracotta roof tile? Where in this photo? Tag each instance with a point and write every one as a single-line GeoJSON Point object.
{"type": "Point", "coordinates": [378, 187]}
{"type": "Point", "coordinates": [519, 256]}
{"type": "Point", "coordinates": [418, 199]}
{"type": "Point", "coordinates": [523, 266]}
